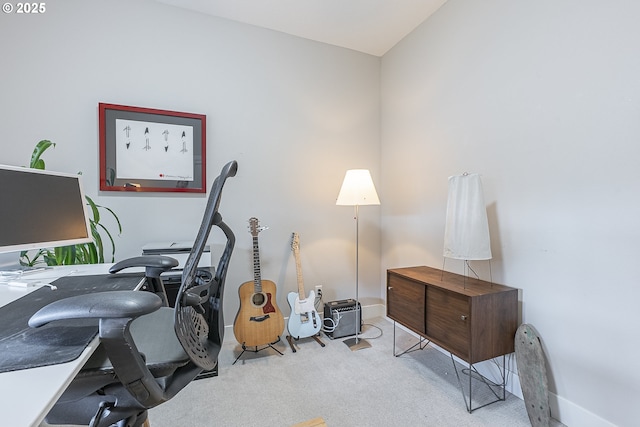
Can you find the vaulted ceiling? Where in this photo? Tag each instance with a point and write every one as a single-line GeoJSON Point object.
{"type": "Point", "coordinates": [369, 26]}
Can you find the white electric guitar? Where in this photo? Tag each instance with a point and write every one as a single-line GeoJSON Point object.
{"type": "Point", "coordinates": [304, 320]}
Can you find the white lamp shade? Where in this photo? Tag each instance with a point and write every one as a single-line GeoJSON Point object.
{"type": "Point", "coordinates": [357, 189]}
{"type": "Point", "coordinates": [466, 234]}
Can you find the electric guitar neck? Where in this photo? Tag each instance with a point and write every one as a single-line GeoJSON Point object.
{"type": "Point", "coordinates": [304, 320]}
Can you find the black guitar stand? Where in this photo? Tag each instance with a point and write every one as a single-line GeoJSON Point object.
{"type": "Point", "coordinates": [315, 337]}
{"type": "Point", "coordinates": [270, 345]}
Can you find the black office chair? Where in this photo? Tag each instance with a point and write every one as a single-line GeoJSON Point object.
{"type": "Point", "coordinates": [148, 351]}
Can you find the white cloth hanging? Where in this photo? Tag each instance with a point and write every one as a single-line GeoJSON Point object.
{"type": "Point", "coordinates": [466, 234]}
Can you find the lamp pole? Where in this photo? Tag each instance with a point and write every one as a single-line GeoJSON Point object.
{"type": "Point", "coordinates": [357, 343]}
{"type": "Point", "coordinates": [358, 314]}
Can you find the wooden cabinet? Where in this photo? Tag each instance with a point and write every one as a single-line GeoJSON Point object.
{"type": "Point", "coordinates": [473, 319]}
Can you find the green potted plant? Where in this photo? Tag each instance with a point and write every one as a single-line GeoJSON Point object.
{"type": "Point", "coordinates": [87, 253]}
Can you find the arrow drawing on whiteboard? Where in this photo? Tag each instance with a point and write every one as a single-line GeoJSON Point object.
{"type": "Point", "coordinates": [166, 139]}
{"type": "Point", "coordinates": [127, 130]}
{"type": "Point", "coordinates": [146, 137]}
{"type": "Point", "coordinates": [184, 144]}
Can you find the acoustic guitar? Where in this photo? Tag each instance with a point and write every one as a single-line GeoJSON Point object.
{"type": "Point", "coordinates": [304, 320]}
{"type": "Point", "coordinates": [259, 320]}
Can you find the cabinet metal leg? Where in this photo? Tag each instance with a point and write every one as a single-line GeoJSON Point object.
{"type": "Point", "coordinates": [473, 373]}
{"type": "Point", "coordinates": [420, 345]}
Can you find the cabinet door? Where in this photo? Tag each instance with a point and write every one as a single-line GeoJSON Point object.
{"type": "Point", "coordinates": [405, 302]}
{"type": "Point", "coordinates": [448, 321]}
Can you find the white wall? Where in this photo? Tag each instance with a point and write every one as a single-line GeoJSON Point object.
{"type": "Point", "coordinates": [542, 99]}
{"type": "Point", "coordinates": [295, 114]}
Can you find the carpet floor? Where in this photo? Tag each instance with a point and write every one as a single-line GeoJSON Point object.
{"type": "Point", "coordinates": [365, 388]}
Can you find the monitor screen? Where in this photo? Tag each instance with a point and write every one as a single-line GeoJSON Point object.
{"type": "Point", "coordinates": [41, 209]}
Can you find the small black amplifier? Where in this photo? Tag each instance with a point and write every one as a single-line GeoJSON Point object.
{"type": "Point", "coordinates": [340, 318]}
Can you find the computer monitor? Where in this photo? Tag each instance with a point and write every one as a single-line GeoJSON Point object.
{"type": "Point", "coordinates": [41, 209]}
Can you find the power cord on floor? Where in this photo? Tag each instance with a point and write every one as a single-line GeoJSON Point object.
{"type": "Point", "coordinates": [373, 326]}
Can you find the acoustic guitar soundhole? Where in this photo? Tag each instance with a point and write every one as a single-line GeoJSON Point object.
{"type": "Point", "coordinates": [258, 299]}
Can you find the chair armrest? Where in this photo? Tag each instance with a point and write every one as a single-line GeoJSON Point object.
{"type": "Point", "coordinates": [116, 310]}
{"type": "Point", "coordinates": [100, 305]}
{"type": "Point", "coordinates": [154, 264]}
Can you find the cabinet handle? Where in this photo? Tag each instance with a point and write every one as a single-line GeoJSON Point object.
{"type": "Point", "coordinates": [463, 317]}
{"type": "Point", "coordinates": [390, 287]}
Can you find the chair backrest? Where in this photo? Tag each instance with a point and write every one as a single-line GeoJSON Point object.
{"type": "Point", "coordinates": [199, 321]}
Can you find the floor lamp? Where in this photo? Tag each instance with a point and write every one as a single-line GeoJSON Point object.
{"type": "Point", "coordinates": [357, 190]}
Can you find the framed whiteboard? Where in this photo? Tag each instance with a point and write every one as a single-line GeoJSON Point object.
{"type": "Point", "coordinates": [144, 149]}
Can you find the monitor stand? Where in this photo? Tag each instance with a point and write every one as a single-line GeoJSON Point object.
{"type": "Point", "coordinates": [10, 268]}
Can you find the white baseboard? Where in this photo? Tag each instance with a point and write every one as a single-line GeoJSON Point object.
{"type": "Point", "coordinates": [373, 311]}
{"type": "Point", "coordinates": [570, 414]}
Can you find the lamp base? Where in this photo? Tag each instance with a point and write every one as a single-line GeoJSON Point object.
{"type": "Point", "coordinates": [356, 343]}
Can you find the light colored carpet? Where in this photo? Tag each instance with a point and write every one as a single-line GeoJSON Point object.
{"type": "Point", "coordinates": [369, 387]}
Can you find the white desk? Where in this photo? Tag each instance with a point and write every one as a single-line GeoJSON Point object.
{"type": "Point", "coordinates": [27, 395]}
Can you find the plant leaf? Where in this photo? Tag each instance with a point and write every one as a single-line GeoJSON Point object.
{"type": "Point", "coordinates": [92, 253]}
{"type": "Point", "coordinates": [114, 217]}
{"type": "Point", "coordinates": [95, 213]}
{"type": "Point", "coordinates": [113, 244]}
{"type": "Point", "coordinates": [42, 146]}
{"type": "Point", "coordinates": [97, 239]}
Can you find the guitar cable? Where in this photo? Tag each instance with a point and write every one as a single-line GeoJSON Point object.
{"type": "Point", "coordinates": [334, 320]}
